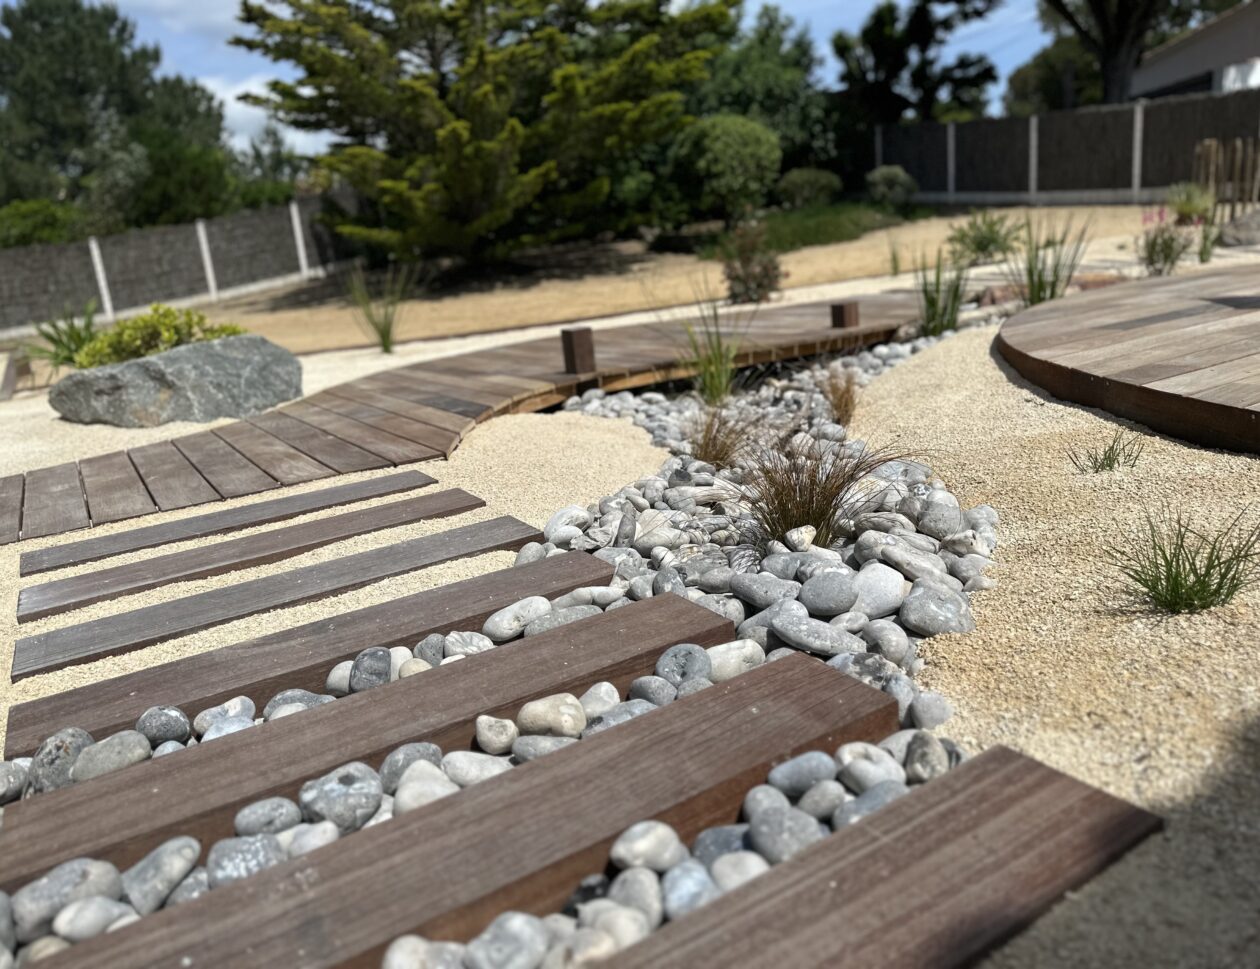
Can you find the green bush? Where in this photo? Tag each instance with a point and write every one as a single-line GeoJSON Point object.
{"type": "Point", "coordinates": [1191, 203]}
{"type": "Point", "coordinates": [1161, 246]}
{"type": "Point", "coordinates": [162, 328]}
{"type": "Point", "coordinates": [726, 164]}
{"type": "Point", "coordinates": [890, 185]}
{"type": "Point", "coordinates": [802, 187]}
{"type": "Point", "coordinates": [984, 237]}
{"type": "Point", "coordinates": [61, 340]}
{"type": "Point", "coordinates": [751, 267]}
{"type": "Point", "coordinates": [30, 221]}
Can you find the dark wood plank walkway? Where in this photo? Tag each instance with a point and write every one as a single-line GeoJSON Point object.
{"type": "Point", "coordinates": [414, 413]}
{"type": "Point", "coordinates": [1181, 355]}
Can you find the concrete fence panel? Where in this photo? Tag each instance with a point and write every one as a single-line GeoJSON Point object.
{"type": "Point", "coordinates": [1085, 150]}
{"type": "Point", "coordinates": [42, 282]}
{"type": "Point", "coordinates": [153, 265]}
{"type": "Point", "coordinates": [920, 150]}
{"type": "Point", "coordinates": [991, 155]}
{"type": "Point", "coordinates": [1173, 126]}
{"type": "Point", "coordinates": [252, 245]}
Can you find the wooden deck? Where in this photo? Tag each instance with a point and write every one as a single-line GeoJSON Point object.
{"type": "Point", "coordinates": [413, 413]}
{"type": "Point", "coordinates": [1181, 355]}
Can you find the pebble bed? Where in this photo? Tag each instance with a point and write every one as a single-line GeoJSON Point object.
{"type": "Point", "coordinates": [653, 877]}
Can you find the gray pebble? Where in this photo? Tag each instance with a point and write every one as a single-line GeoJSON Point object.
{"type": "Point", "coordinates": [779, 833]}
{"type": "Point", "coordinates": [926, 758]}
{"type": "Point", "coordinates": [686, 887]}
{"type": "Point", "coordinates": [693, 685]}
{"type": "Point", "coordinates": [35, 903]}
{"type": "Point", "coordinates": [621, 713]}
{"type": "Point", "coordinates": [403, 757]}
{"type": "Point", "coordinates": [796, 776]}
{"type": "Point", "coordinates": [734, 869]}
{"type": "Point", "coordinates": [648, 844]}
{"type": "Point", "coordinates": [238, 706]}
{"type": "Point", "coordinates": [50, 768]}
{"type": "Point", "coordinates": [731, 659]}
{"type": "Point", "coordinates": [509, 621]}
{"type": "Point", "coordinates": [494, 734]}
{"type": "Point", "coordinates": [149, 882]}
{"type": "Point", "coordinates": [639, 888]}
{"type": "Point", "coordinates": [468, 767]}
{"type": "Point", "coordinates": [233, 859]}
{"type": "Point", "coordinates": [560, 617]}
{"type": "Point", "coordinates": [431, 649]}
{"type": "Point", "coordinates": [338, 680]}
{"type": "Point", "coordinates": [304, 698]}
{"type": "Point", "coordinates": [87, 918]}
{"type": "Point", "coordinates": [929, 709]}
{"type": "Point", "coordinates": [815, 636]}
{"type": "Point", "coordinates": [305, 838]}
{"type": "Point", "coordinates": [829, 594]}
{"type": "Point", "coordinates": [599, 699]}
{"type": "Point", "coordinates": [683, 662]}
{"type": "Point", "coordinates": [347, 796]}
{"type": "Point", "coordinates": [268, 816]}
{"type": "Point", "coordinates": [763, 797]}
{"type": "Point", "coordinates": [712, 843]}
{"type": "Point", "coordinates": [196, 884]}
{"type": "Point", "coordinates": [761, 589]}
{"type": "Point", "coordinates": [115, 752]}
{"type": "Point", "coordinates": [421, 783]}
{"type": "Point", "coordinates": [12, 780]}
{"type": "Point", "coordinates": [525, 749]}
{"type": "Point", "coordinates": [514, 940]}
{"type": "Point", "coordinates": [225, 726]}
{"type": "Point", "coordinates": [163, 723]}
{"type": "Point", "coordinates": [170, 747]}
{"type": "Point", "coordinates": [867, 802]}
{"type": "Point", "coordinates": [371, 668]}
{"type": "Point", "coordinates": [881, 590]}
{"type": "Point", "coordinates": [863, 766]}
{"type": "Point", "coordinates": [654, 689]}
{"type": "Point", "coordinates": [821, 800]}
{"type": "Point", "coordinates": [8, 935]}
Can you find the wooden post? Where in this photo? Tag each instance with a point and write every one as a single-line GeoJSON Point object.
{"type": "Point", "coordinates": [579, 349]}
{"type": "Point", "coordinates": [844, 315]}
{"type": "Point", "coordinates": [1235, 180]}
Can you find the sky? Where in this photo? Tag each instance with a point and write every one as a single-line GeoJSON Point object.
{"type": "Point", "coordinates": [193, 36]}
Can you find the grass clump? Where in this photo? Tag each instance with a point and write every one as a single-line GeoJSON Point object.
{"type": "Point", "coordinates": [162, 328]}
{"type": "Point", "coordinates": [1122, 451]}
{"type": "Point", "coordinates": [752, 270]}
{"type": "Point", "coordinates": [841, 392]}
{"type": "Point", "coordinates": [984, 237]}
{"type": "Point", "coordinates": [1191, 203]}
{"type": "Point", "coordinates": [940, 296]}
{"type": "Point", "coordinates": [720, 436]}
{"type": "Point", "coordinates": [63, 339]}
{"type": "Point", "coordinates": [1181, 568]}
{"type": "Point", "coordinates": [1161, 246]}
{"type": "Point", "coordinates": [711, 353]}
{"type": "Point", "coordinates": [1044, 261]}
{"type": "Point", "coordinates": [377, 306]}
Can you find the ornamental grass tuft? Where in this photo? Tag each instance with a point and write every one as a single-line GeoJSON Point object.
{"type": "Point", "coordinates": [1122, 451]}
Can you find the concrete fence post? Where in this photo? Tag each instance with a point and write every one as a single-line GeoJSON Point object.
{"type": "Point", "coordinates": [207, 263]}
{"type": "Point", "coordinates": [1139, 114]}
{"type": "Point", "coordinates": [1033, 151]}
{"type": "Point", "coordinates": [102, 283]}
{"type": "Point", "coordinates": [299, 239]}
{"type": "Point", "coordinates": [951, 156]}
{"type": "Point", "coordinates": [879, 145]}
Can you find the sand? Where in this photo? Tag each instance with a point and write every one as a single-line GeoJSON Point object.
{"type": "Point", "coordinates": [525, 465]}
{"type": "Point", "coordinates": [1067, 667]}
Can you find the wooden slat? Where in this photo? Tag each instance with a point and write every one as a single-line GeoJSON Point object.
{"type": "Point", "coordinates": [932, 881]}
{"type": "Point", "coordinates": [223, 466]}
{"type": "Point", "coordinates": [121, 816]}
{"type": "Point", "coordinates": [11, 508]}
{"type": "Point", "coordinates": [520, 841]}
{"type": "Point", "coordinates": [170, 478]}
{"type": "Point", "coordinates": [113, 489]}
{"type": "Point", "coordinates": [437, 438]}
{"type": "Point", "coordinates": [53, 502]}
{"type": "Point", "coordinates": [406, 407]}
{"type": "Point", "coordinates": [138, 628]}
{"type": "Point", "coordinates": [393, 448]}
{"type": "Point", "coordinates": [217, 522]}
{"type": "Point", "coordinates": [76, 591]}
{"type": "Point", "coordinates": [342, 456]}
{"type": "Point", "coordinates": [286, 464]}
{"type": "Point", "coordinates": [297, 658]}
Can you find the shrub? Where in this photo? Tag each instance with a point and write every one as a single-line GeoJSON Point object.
{"type": "Point", "coordinates": [64, 338]}
{"type": "Point", "coordinates": [162, 328]}
{"type": "Point", "coordinates": [1209, 235]}
{"type": "Point", "coordinates": [1191, 203]}
{"type": "Point", "coordinates": [1043, 264]}
{"type": "Point", "coordinates": [1122, 451]}
{"type": "Point", "coordinates": [841, 391]}
{"type": "Point", "coordinates": [30, 221]}
{"type": "Point", "coordinates": [752, 270]}
{"type": "Point", "coordinates": [802, 187]}
{"type": "Point", "coordinates": [719, 436]}
{"type": "Point", "coordinates": [1181, 568]}
{"type": "Point", "coordinates": [711, 353]}
{"type": "Point", "coordinates": [891, 186]}
{"type": "Point", "coordinates": [940, 296]}
{"type": "Point", "coordinates": [984, 237]}
{"type": "Point", "coordinates": [377, 311]}
{"type": "Point", "coordinates": [726, 164]}
{"type": "Point", "coordinates": [1161, 246]}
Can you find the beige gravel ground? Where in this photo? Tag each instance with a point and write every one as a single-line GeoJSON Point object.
{"type": "Point", "coordinates": [526, 465]}
{"type": "Point", "coordinates": [1066, 667]}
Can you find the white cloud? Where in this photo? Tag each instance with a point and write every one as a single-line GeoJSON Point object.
{"type": "Point", "coordinates": [245, 121]}
{"type": "Point", "coordinates": [216, 18]}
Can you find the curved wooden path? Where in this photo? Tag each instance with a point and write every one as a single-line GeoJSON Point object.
{"type": "Point", "coordinates": [413, 413]}
{"type": "Point", "coordinates": [1181, 355]}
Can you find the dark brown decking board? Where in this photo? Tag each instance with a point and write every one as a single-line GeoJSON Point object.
{"type": "Point", "coordinates": [299, 657]}
{"type": "Point", "coordinates": [398, 386]}
{"type": "Point", "coordinates": [113, 489]}
{"type": "Point", "coordinates": [286, 464]}
{"type": "Point", "coordinates": [53, 502]}
{"type": "Point", "coordinates": [11, 508]}
{"type": "Point", "coordinates": [457, 424]}
{"type": "Point", "coordinates": [169, 477]}
{"type": "Point", "coordinates": [687, 764]}
{"type": "Point", "coordinates": [437, 438]}
{"type": "Point", "coordinates": [342, 456]}
{"type": "Point", "coordinates": [933, 881]}
{"type": "Point", "coordinates": [128, 631]}
{"type": "Point", "coordinates": [199, 791]}
{"type": "Point", "coordinates": [398, 450]}
{"type": "Point", "coordinates": [217, 522]}
{"type": "Point", "coordinates": [231, 555]}
{"type": "Point", "coordinates": [227, 470]}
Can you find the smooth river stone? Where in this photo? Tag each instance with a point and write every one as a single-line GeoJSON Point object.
{"type": "Point", "coordinates": [238, 706]}
{"type": "Point", "coordinates": [558, 715]}
{"type": "Point", "coordinates": [829, 594]}
{"type": "Point", "coordinates": [686, 887]}
{"type": "Point", "coordinates": [50, 768]}
{"type": "Point", "coordinates": [234, 859]}
{"type": "Point", "coordinates": [468, 767]}
{"type": "Point", "coordinates": [514, 940]}
{"type": "Point", "coordinates": [639, 888]}
{"type": "Point", "coordinates": [421, 783]}
{"type": "Point", "coordinates": [88, 917]}
{"type": "Point", "coordinates": [162, 723]}
{"type": "Point", "coordinates": [495, 735]}
{"type": "Point", "coordinates": [509, 621]}
{"type": "Point", "coordinates": [149, 882]}
{"type": "Point", "coordinates": [931, 609]}
{"type": "Point", "coordinates": [648, 844]}
{"type": "Point", "coordinates": [347, 796]}
{"type": "Point", "coordinates": [729, 871]}
{"type": "Point", "coordinates": [762, 589]}
{"type": "Point", "coordinates": [268, 816]}
{"type": "Point", "coordinates": [123, 749]}
{"type": "Point", "coordinates": [728, 660]}
{"type": "Point", "coordinates": [401, 758]}
{"type": "Point", "coordinates": [779, 833]}
{"type": "Point", "coordinates": [796, 776]}
{"type": "Point", "coordinates": [683, 662]}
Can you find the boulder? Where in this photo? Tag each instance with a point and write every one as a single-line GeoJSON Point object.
{"type": "Point", "coordinates": [1243, 231]}
{"type": "Point", "coordinates": [229, 377]}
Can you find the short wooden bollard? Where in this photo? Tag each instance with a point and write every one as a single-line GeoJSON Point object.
{"type": "Point", "coordinates": [579, 350]}
{"type": "Point", "coordinates": [844, 315]}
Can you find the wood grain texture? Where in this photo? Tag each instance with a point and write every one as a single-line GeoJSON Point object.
{"type": "Point", "coordinates": [933, 881]}
{"type": "Point", "coordinates": [217, 522]}
{"type": "Point", "coordinates": [398, 450]}
{"type": "Point", "coordinates": [11, 487]}
{"type": "Point", "coordinates": [688, 764]}
{"type": "Point", "coordinates": [281, 461]}
{"type": "Point", "coordinates": [227, 470]}
{"type": "Point", "coordinates": [199, 791]}
{"type": "Point", "coordinates": [299, 657]}
{"type": "Point", "coordinates": [333, 452]}
{"type": "Point", "coordinates": [53, 502]}
{"type": "Point", "coordinates": [128, 631]}
{"type": "Point", "coordinates": [113, 489]}
{"type": "Point", "coordinates": [170, 478]}
{"type": "Point", "coordinates": [76, 591]}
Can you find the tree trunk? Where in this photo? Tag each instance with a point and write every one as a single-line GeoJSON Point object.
{"type": "Point", "coordinates": [1117, 66]}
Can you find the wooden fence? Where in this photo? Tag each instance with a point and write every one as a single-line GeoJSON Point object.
{"type": "Point", "coordinates": [1231, 171]}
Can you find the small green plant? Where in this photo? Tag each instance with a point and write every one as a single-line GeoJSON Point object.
{"type": "Point", "coordinates": [841, 392]}
{"type": "Point", "coordinates": [1190, 202]}
{"type": "Point", "coordinates": [891, 186]}
{"type": "Point", "coordinates": [941, 291]}
{"type": "Point", "coordinates": [1044, 262]}
{"type": "Point", "coordinates": [894, 257]}
{"type": "Point", "coordinates": [984, 237]}
{"type": "Point", "coordinates": [803, 187]}
{"type": "Point", "coordinates": [719, 435]}
{"type": "Point", "coordinates": [162, 328]}
{"type": "Point", "coordinates": [64, 338]}
{"type": "Point", "coordinates": [1182, 568]}
{"type": "Point", "coordinates": [377, 306]}
{"type": "Point", "coordinates": [1122, 451]}
{"type": "Point", "coordinates": [1162, 244]}
{"type": "Point", "coordinates": [1209, 234]}
{"type": "Point", "coordinates": [752, 270]}
{"type": "Point", "coordinates": [711, 353]}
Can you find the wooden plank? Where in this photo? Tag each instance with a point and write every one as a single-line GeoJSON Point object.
{"type": "Point", "coordinates": [11, 487]}
{"type": "Point", "coordinates": [53, 502]}
{"type": "Point", "coordinates": [293, 658]}
{"type": "Point", "coordinates": [686, 764]}
{"type": "Point", "coordinates": [286, 464]}
{"type": "Point", "coordinates": [151, 802]}
{"type": "Point", "coordinates": [128, 631]}
{"type": "Point", "coordinates": [932, 881]}
{"type": "Point", "coordinates": [76, 591]}
{"type": "Point", "coordinates": [113, 489]}
{"type": "Point", "coordinates": [228, 472]}
{"type": "Point", "coordinates": [388, 400]}
{"type": "Point", "coordinates": [170, 478]}
{"type": "Point", "coordinates": [217, 522]}
{"type": "Point", "coordinates": [427, 435]}
{"type": "Point", "coordinates": [342, 456]}
{"type": "Point", "coordinates": [393, 448]}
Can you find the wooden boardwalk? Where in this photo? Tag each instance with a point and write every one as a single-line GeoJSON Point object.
{"type": "Point", "coordinates": [1181, 355]}
{"type": "Point", "coordinates": [413, 413]}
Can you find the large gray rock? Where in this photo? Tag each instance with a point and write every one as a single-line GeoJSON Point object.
{"type": "Point", "coordinates": [1243, 231]}
{"type": "Point", "coordinates": [229, 377]}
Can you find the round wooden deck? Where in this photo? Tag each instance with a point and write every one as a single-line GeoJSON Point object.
{"type": "Point", "coordinates": [1181, 355]}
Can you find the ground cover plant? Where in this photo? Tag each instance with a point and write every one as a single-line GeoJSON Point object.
{"type": "Point", "coordinates": [940, 289]}
{"type": "Point", "coordinates": [1122, 451]}
{"type": "Point", "coordinates": [1181, 567]}
{"type": "Point", "coordinates": [1190, 203]}
{"type": "Point", "coordinates": [377, 303]}
{"type": "Point", "coordinates": [1045, 261]}
{"type": "Point", "coordinates": [1162, 244]}
{"type": "Point", "coordinates": [161, 328]}
{"type": "Point", "coordinates": [63, 339]}
{"type": "Point", "coordinates": [984, 237]}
